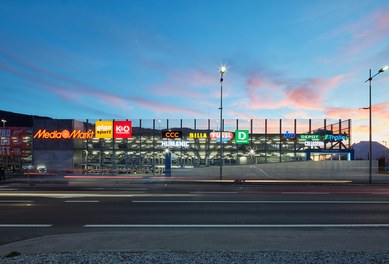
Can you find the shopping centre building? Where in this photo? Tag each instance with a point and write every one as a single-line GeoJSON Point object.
{"type": "Point", "coordinates": [158, 146]}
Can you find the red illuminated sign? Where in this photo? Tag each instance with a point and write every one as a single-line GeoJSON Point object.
{"type": "Point", "coordinates": [225, 135]}
{"type": "Point", "coordinates": [11, 141]}
{"type": "Point", "coordinates": [122, 129]}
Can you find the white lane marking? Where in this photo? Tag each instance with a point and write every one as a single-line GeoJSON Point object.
{"type": "Point", "coordinates": [89, 195]}
{"type": "Point", "coordinates": [16, 201]}
{"type": "Point", "coordinates": [266, 202]}
{"type": "Point", "coordinates": [212, 192]}
{"type": "Point", "coordinates": [81, 201]}
{"type": "Point", "coordinates": [26, 225]}
{"type": "Point", "coordinates": [236, 226]}
{"type": "Point", "coordinates": [305, 193]}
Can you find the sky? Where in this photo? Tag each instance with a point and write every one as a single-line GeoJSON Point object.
{"type": "Point", "coordinates": [161, 59]}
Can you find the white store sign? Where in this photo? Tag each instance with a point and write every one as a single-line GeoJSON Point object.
{"type": "Point", "coordinates": [314, 143]}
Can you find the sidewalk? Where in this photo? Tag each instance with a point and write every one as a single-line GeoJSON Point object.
{"type": "Point", "coordinates": [208, 239]}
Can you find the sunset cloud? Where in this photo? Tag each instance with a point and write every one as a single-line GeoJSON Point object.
{"type": "Point", "coordinates": [367, 31]}
{"type": "Point", "coordinates": [191, 84]}
{"type": "Point", "coordinates": [156, 107]}
{"type": "Point", "coordinates": [268, 93]}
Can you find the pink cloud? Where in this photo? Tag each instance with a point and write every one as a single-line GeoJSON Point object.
{"type": "Point", "coordinates": [195, 84]}
{"type": "Point", "coordinates": [380, 112]}
{"type": "Point", "coordinates": [360, 121]}
{"type": "Point", "coordinates": [78, 91]}
{"type": "Point", "coordinates": [298, 115]}
{"type": "Point", "coordinates": [368, 31]}
{"type": "Point", "coordinates": [158, 107]}
{"type": "Point", "coordinates": [243, 115]}
{"type": "Point", "coordinates": [265, 93]}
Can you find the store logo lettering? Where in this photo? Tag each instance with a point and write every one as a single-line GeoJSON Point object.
{"type": "Point", "coordinates": [104, 130]}
{"type": "Point", "coordinates": [198, 135]}
{"type": "Point", "coordinates": [171, 134]}
{"type": "Point", "coordinates": [335, 137]}
{"type": "Point", "coordinates": [42, 133]}
{"type": "Point", "coordinates": [289, 135]}
{"type": "Point", "coordinates": [242, 137]}
{"type": "Point", "coordinates": [123, 129]}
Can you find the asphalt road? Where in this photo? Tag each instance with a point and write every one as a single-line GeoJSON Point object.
{"type": "Point", "coordinates": [337, 210]}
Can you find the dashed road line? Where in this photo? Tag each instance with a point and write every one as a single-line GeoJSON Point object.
{"type": "Point", "coordinates": [264, 202]}
{"type": "Point", "coordinates": [82, 201]}
{"type": "Point", "coordinates": [236, 226]}
{"type": "Point", "coordinates": [25, 225]}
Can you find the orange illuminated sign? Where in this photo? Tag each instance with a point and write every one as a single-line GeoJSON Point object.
{"type": "Point", "coordinates": [42, 133]}
{"type": "Point", "coordinates": [171, 134]}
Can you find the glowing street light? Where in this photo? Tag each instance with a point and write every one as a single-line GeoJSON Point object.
{"type": "Point", "coordinates": [223, 69]}
{"type": "Point", "coordinates": [4, 121]}
{"type": "Point", "coordinates": [370, 119]}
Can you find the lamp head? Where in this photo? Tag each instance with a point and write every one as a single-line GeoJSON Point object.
{"type": "Point", "coordinates": [384, 69]}
{"type": "Point", "coordinates": [223, 69]}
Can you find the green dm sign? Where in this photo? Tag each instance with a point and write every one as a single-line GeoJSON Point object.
{"type": "Point", "coordinates": [241, 137]}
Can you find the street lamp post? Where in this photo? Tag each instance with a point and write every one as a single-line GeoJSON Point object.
{"type": "Point", "coordinates": [222, 70]}
{"type": "Point", "coordinates": [370, 120]}
{"type": "Point", "coordinates": [3, 121]}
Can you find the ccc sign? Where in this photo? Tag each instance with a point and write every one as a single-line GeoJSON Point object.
{"type": "Point", "coordinates": [171, 134]}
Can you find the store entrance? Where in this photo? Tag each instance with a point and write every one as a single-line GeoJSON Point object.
{"type": "Point", "coordinates": [322, 154]}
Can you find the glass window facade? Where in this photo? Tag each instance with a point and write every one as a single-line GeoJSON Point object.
{"type": "Point", "coordinates": [183, 143]}
{"type": "Point", "coordinates": [198, 145]}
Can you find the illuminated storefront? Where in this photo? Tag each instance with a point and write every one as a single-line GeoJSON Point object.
{"type": "Point", "coordinates": [143, 145]}
{"type": "Point", "coordinates": [15, 148]}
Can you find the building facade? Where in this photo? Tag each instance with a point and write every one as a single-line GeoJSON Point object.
{"type": "Point", "coordinates": [153, 146]}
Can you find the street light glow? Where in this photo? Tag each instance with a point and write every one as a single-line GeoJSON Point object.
{"type": "Point", "coordinates": [384, 68]}
{"type": "Point", "coordinates": [223, 69]}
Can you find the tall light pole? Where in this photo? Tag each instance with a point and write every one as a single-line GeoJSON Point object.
{"type": "Point", "coordinates": [222, 70]}
{"type": "Point", "coordinates": [370, 120]}
{"type": "Point", "coordinates": [4, 121]}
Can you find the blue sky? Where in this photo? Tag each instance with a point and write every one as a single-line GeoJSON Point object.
{"type": "Point", "coordinates": [160, 59]}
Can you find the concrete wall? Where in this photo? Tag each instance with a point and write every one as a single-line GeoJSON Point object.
{"type": "Point", "coordinates": [54, 160]}
{"type": "Point", "coordinates": [313, 170]}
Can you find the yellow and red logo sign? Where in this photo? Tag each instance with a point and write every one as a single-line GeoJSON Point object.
{"type": "Point", "coordinates": [104, 129]}
{"type": "Point", "coordinates": [42, 133]}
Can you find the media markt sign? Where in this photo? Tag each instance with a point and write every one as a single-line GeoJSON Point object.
{"type": "Point", "coordinates": [241, 137]}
